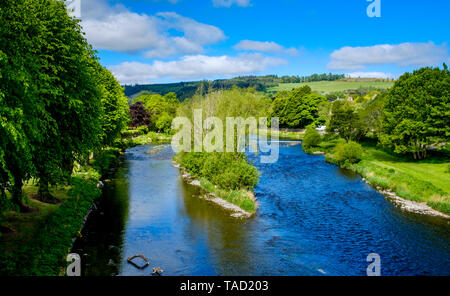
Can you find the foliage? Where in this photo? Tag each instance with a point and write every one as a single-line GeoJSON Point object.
{"type": "Point", "coordinates": [345, 121]}
{"type": "Point", "coordinates": [229, 171]}
{"type": "Point", "coordinates": [416, 113]}
{"type": "Point", "coordinates": [49, 248]}
{"type": "Point", "coordinates": [115, 114]}
{"type": "Point", "coordinates": [298, 108]}
{"type": "Point", "coordinates": [343, 87]}
{"type": "Point", "coordinates": [162, 108]}
{"type": "Point", "coordinates": [311, 138]}
{"type": "Point", "coordinates": [106, 159]}
{"type": "Point", "coordinates": [350, 152]}
{"type": "Point", "coordinates": [139, 115]}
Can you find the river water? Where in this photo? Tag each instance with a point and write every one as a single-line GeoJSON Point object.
{"type": "Point", "coordinates": [313, 219]}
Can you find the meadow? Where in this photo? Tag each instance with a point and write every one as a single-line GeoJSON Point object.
{"type": "Point", "coordinates": [334, 86]}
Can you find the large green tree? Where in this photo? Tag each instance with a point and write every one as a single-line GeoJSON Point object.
{"type": "Point", "coordinates": [345, 121]}
{"type": "Point", "coordinates": [298, 108]}
{"type": "Point", "coordinates": [417, 112]}
{"type": "Point", "coordinates": [115, 114]}
{"type": "Point", "coordinates": [51, 100]}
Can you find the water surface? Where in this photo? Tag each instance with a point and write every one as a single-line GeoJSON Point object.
{"type": "Point", "coordinates": [313, 219]}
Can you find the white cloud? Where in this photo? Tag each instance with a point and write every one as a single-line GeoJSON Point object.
{"type": "Point", "coordinates": [380, 75]}
{"type": "Point", "coordinates": [266, 46]}
{"type": "Point", "coordinates": [228, 3]}
{"type": "Point", "coordinates": [405, 54]}
{"type": "Point", "coordinates": [194, 67]}
{"type": "Point", "coordinates": [118, 29]}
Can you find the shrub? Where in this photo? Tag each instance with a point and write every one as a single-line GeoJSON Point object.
{"type": "Point", "coordinates": [229, 171]}
{"type": "Point", "coordinates": [350, 152]}
{"type": "Point", "coordinates": [311, 138]}
{"type": "Point", "coordinates": [106, 159]}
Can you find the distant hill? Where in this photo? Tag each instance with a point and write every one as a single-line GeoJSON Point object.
{"type": "Point", "coordinates": [186, 90]}
{"type": "Point", "coordinates": [325, 87]}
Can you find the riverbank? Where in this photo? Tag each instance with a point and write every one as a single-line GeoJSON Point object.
{"type": "Point", "coordinates": [230, 200]}
{"type": "Point", "coordinates": [415, 186]}
{"type": "Point", "coordinates": [40, 240]}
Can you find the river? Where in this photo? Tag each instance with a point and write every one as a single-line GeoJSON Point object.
{"type": "Point", "coordinates": [313, 219]}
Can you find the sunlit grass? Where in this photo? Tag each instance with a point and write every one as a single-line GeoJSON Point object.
{"type": "Point", "coordinates": [333, 86]}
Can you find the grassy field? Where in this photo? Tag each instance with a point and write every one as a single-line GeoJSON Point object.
{"type": "Point", "coordinates": [425, 181]}
{"type": "Point", "coordinates": [333, 86]}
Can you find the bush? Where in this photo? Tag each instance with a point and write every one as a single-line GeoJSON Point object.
{"type": "Point", "coordinates": [229, 171]}
{"type": "Point", "coordinates": [312, 138]}
{"type": "Point", "coordinates": [106, 159]}
{"type": "Point", "coordinates": [350, 152]}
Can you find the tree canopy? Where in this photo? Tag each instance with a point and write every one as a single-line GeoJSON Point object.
{"type": "Point", "coordinates": [55, 98]}
{"type": "Point", "coordinates": [298, 108]}
{"type": "Point", "coordinates": [417, 112]}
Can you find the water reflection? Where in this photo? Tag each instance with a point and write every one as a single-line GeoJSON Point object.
{"type": "Point", "coordinates": [314, 218]}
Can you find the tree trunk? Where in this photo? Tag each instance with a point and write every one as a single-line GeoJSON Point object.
{"type": "Point", "coordinates": [17, 193]}
{"type": "Point", "coordinates": [44, 191]}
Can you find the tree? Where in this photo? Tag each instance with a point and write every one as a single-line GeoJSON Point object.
{"type": "Point", "coordinates": [311, 138]}
{"type": "Point", "coordinates": [115, 114]}
{"type": "Point", "coordinates": [164, 123]}
{"type": "Point", "coordinates": [416, 114]}
{"type": "Point", "coordinates": [139, 115]}
{"type": "Point", "coordinates": [51, 108]}
{"type": "Point", "coordinates": [297, 108]}
{"type": "Point", "coordinates": [21, 110]}
{"type": "Point", "coordinates": [161, 107]}
{"type": "Point", "coordinates": [344, 121]}
{"type": "Point", "coordinates": [71, 93]}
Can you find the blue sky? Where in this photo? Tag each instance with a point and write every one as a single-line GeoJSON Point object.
{"type": "Point", "coordinates": [150, 41]}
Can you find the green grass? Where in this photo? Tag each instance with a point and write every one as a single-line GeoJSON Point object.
{"type": "Point", "coordinates": [286, 135]}
{"type": "Point", "coordinates": [333, 86]}
{"type": "Point", "coordinates": [42, 239]}
{"type": "Point", "coordinates": [425, 181]}
{"type": "Point", "coordinates": [241, 198]}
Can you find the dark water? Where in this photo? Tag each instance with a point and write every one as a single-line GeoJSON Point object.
{"type": "Point", "coordinates": [313, 219]}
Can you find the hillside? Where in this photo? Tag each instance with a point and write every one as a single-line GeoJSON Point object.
{"type": "Point", "coordinates": [335, 86]}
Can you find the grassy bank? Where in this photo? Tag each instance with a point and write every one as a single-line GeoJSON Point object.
{"type": "Point", "coordinates": [242, 198]}
{"type": "Point", "coordinates": [40, 240]}
{"type": "Point", "coordinates": [227, 175]}
{"type": "Point", "coordinates": [423, 181]}
{"type": "Point", "coordinates": [136, 137]}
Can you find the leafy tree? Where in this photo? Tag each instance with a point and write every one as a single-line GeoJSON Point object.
{"type": "Point", "coordinates": [71, 94]}
{"type": "Point", "coordinates": [162, 108]}
{"type": "Point", "coordinates": [139, 115]}
{"type": "Point", "coordinates": [417, 112]}
{"type": "Point", "coordinates": [21, 110]}
{"type": "Point", "coordinates": [345, 121]}
{"type": "Point", "coordinates": [298, 108]}
{"type": "Point", "coordinates": [115, 114]}
{"type": "Point", "coordinates": [350, 152]}
{"type": "Point", "coordinates": [51, 107]}
{"type": "Point", "coordinates": [164, 123]}
{"type": "Point", "coordinates": [311, 138]}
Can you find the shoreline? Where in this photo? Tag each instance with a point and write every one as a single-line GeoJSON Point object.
{"type": "Point", "coordinates": [237, 212]}
{"type": "Point", "coordinates": [407, 205]}
{"type": "Point", "coordinates": [402, 203]}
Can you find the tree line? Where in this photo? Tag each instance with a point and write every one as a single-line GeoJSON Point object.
{"type": "Point", "coordinates": [410, 118]}
{"type": "Point", "coordinates": [57, 103]}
